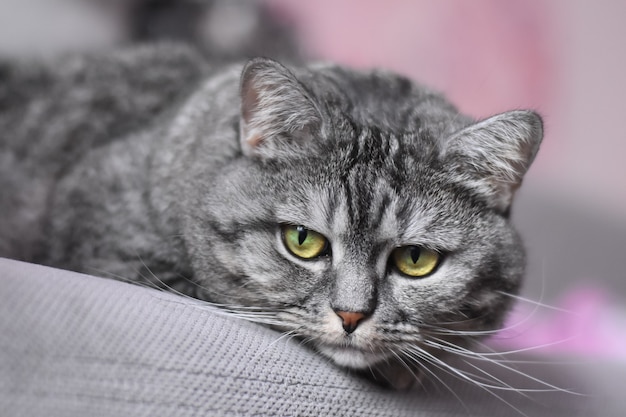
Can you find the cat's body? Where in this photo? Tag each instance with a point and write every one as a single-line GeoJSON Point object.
{"type": "Point", "coordinates": [152, 163]}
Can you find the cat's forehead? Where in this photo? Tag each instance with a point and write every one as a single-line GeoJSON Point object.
{"type": "Point", "coordinates": [371, 152]}
{"type": "Point", "coordinates": [359, 205]}
{"type": "Point", "coordinates": [370, 184]}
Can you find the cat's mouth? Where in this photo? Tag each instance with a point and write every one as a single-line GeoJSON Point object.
{"type": "Point", "coordinates": [351, 357]}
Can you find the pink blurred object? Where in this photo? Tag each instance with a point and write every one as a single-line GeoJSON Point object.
{"type": "Point", "coordinates": [487, 57]}
{"type": "Point", "coordinates": [584, 322]}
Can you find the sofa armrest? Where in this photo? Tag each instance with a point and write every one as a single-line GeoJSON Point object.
{"type": "Point", "coordinates": [72, 344]}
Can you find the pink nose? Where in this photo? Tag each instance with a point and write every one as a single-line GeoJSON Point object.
{"type": "Point", "coordinates": [350, 320]}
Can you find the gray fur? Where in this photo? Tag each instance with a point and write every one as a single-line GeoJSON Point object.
{"type": "Point", "coordinates": [151, 163]}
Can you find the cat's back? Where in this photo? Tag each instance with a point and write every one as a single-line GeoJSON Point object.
{"type": "Point", "coordinates": [52, 113]}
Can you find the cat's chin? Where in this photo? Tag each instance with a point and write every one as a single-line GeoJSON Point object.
{"type": "Point", "coordinates": [377, 367]}
{"type": "Point", "coordinates": [350, 357]}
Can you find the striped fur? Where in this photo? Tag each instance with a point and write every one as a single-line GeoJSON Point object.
{"type": "Point", "coordinates": [196, 195]}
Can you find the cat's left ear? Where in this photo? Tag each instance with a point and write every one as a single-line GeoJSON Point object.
{"type": "Point", "coordinates": [276, 110]}
{"type": "Point", "coordinates": [493, 155]}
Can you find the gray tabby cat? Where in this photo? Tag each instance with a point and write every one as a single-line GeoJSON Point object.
{"type": "Point", "coordinates": [356, 210]}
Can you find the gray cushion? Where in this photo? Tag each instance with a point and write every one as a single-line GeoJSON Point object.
{"type": "Point", "coordinates": [78, 345]}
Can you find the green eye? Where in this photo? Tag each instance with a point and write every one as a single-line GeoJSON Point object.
{"type": "Point", "coordinates": [304, 243]}
{"type": "Point", "coordinates": [415, 261]}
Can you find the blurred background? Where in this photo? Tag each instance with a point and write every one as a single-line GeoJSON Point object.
{"type": "Point", "coordinates": [564, 58]}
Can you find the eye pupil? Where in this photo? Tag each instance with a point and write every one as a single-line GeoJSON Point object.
{"type": "Point", "coordinates": [302, 234]}
{"type": "Point", "coordinates": [415, 254]}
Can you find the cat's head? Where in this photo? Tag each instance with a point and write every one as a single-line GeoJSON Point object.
{"type": "Point", "coordinates": [365, 214]}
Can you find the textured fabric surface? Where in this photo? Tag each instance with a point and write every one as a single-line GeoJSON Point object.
{"type": "Point", "coordinates": [75, 345]}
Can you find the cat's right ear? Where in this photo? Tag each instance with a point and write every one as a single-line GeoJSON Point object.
{"type": "Point", "coordinates": [493, 155]}
{"type": "Point", "coordinates": [276, 110]}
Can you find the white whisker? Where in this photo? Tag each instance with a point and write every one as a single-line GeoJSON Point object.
{"type": "Point", "coordinates": [445, 367]}
{"type": "Point", "coordinates": [537, 303]}
{"type": "Point", "coordinates": [417, 360]}
{"type": "Point", "coordinates": [485, 357]}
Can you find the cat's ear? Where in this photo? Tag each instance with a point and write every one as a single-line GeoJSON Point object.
{"type": "Point", "coordinates": [276, 111]}
{"type": "Point", "coordinates": [493, 155]}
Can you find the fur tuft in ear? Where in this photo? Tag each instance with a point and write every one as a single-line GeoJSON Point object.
{"type": "Point", "coordinates": [276, 110]}
{"type": "Point", "coordinates": [494, 155]}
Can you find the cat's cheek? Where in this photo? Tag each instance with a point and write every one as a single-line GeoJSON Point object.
{"type": "Point", "coordinates": [431, 300]}
{"type": "Point", "coordinates": [440, 285]}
